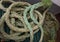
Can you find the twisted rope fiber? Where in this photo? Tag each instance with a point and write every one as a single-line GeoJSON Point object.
{"type": "Point", "coordinates": [6, 14]}
{"type": "Point", "coordinates": [25, 12]}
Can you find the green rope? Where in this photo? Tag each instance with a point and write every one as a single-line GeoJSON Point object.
{"type": "Point", "coordinates": [27, 23]}
{"type": "Point", "coordinates": [35, 6]}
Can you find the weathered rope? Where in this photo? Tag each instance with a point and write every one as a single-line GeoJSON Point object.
{"type": "Point", "coordinates": [24, 21]}
{"type": "Point", "coordinates": [19, 17]}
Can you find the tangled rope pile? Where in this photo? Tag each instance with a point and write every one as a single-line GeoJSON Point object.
{"type": "Point", "coordinates": [24, 21]}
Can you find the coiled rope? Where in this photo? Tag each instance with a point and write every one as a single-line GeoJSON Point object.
{"type": "Point", "coordinates": [24, 21]}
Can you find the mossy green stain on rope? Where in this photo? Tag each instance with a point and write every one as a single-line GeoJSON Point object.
{"type": "Point", "coordinates": [47, 3]}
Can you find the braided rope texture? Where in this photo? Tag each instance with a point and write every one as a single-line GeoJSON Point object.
{"type": "Point", "coordinates": [21, 20]}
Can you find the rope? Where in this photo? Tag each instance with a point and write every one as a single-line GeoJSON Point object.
{"type": "Point", "coordinates": [24, 21]}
